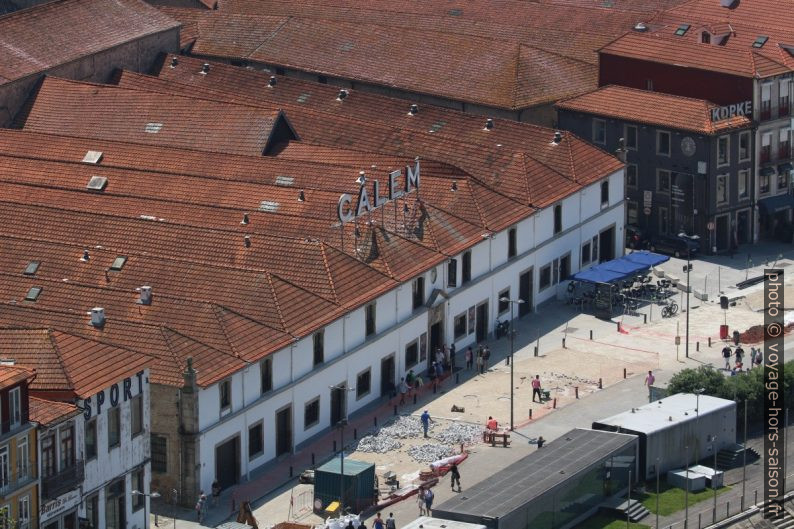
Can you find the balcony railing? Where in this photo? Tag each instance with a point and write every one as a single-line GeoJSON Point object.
{"type": "Point", "coordinates": [12, 479]}
{"type": "Point", "coordinates": [61, 482]}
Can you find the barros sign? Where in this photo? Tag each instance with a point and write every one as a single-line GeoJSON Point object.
{"type": "Point", "coordinates": [729, 111]}
{"type": "Point", "coordinates": [398, 185]}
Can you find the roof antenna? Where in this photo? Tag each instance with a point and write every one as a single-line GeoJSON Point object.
{"type": "Point", "coordinates": [272, 82]}
{"type": "Point", "coordinates": [206, 68]}
{"type": "Point", "coordinates": [174, 61]}
{"type": "Point", "coordinates": [414, 110]}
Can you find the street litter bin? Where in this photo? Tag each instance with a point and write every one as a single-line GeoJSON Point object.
{"type": "Point", "coordinates": [723, 332]}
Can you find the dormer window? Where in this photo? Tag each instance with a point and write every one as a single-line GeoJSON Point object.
{"type": "Point", "coordinates": [705, 38]}
{"type": "Point", "coordinates": [760, 41]}
{"type": "Point", "coordinates": [682, 29]}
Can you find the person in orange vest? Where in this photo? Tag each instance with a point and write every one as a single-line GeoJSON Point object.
{"type": "Point", "coordinates": [492, 424]}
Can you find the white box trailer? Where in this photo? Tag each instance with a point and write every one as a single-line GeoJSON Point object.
{"type": "Point", "coordinates": [426, 522]}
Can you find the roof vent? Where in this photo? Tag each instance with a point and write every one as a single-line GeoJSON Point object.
{"type": "Point", "coordinates": [414, 110]}
{"type": "Point", "coordinates": [206, 68]}
{"type": "Point", "coordinates": [97, 317]}
{"type": "Point", "coordinates": [97, 183]}
{"type": "Point", "coordinates": [92, 157]}
{"type": "Point", "coordinates": [245, 219]}
{"type": "Point", "coordinates": [247, 241]}
{"type": "Point", "coordinates": [454, 185]}
{"type": "Point", "coordinates": [268, 205]}
{"type": "Point", "coordinates": [282, 180]}
{"type": "Point", "coordinates": [302, 196]}
{"type": "Point", "coordinates": [272, 81]}
{"type": "Point", "coordinates": [174, 61]}
{"type": "Point", "coordinates": [727, 3]}
{"type": "Point", "coordinates": [557, 137]}
{"type": "Point", "coordinates": [85, 256]}
{"type": "Point", "coordinates": [641, 27]}
{"type": "Point", "coordinates": [342, 95]}
{"type": "Point", "coordinates": [488, 124]}
{"type": "Point", "coordinates": [153, 128]}
{"type": "Point", "coordinates": [146, 295]}
{"type": "Point", "coordinates": [362, 178]}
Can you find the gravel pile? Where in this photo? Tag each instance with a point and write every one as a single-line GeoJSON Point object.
{"type": "Point", "coordinates": [458, 432]}
{"type": "Point", "coordinates": [405, 427]}
{"type": "Point", "coordinates": [429, 452]}
{"type": "Point", "coordinates": [378, 443]}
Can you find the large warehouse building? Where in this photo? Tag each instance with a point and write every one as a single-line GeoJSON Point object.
{"type": "Point", "coordinates": [267, 238]}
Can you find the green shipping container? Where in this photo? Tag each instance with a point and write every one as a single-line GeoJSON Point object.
{"type": "Point", "coordinates": [358, 482]}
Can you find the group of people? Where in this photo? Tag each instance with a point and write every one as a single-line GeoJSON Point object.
{"type": "Point", "coordinates": [737, 355]}
{"type": "Point", "coordinates": [481, 357]}
{"type": "Point", "coordinates": [379, 523]}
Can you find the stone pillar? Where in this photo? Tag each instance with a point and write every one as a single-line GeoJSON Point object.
{"type": "Point", "coordinates": [188, 429]}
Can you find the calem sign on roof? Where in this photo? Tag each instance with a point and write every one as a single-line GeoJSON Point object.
{"type": "Point", "coordinates": [399, 184]}
{"type": "Point", "coordinates": [729, 111]}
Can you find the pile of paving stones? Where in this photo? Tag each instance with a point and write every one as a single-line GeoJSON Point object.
{"type": "Point", "coordinates": [378, 444]}
{"type": "Point", "coordinates": [404, 427]}
{"type": "Point", "coordinates": [459, 432]}
{"type": "Point", "coordinates": [429, 452]}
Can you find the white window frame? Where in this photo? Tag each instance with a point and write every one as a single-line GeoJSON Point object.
{"type": "Point", "coordinates": [669, 142]}
{"type": "Point", "coordinates": [745, 134]}
{"type": "Point", "coordinates": [636, 137]}
{"type": "Point", "coordinates": [603, 125]}
{"type": "Point", "coordinates": [23, 512]}
{"type": "Point", "coordinates": [727, 195]}
{"type": "Point", "coordinates": [23, 457]}
{"type": "Point", "coordinates": [669, 180]}
{"type": "Point", "coordinates": [636, 176]}
{"type": "Point", "coordinates": [743, 177]}
{"type": "Point", "coordinates": [15, 407]}
{"type": "Point", "coordinates": [727, 161]}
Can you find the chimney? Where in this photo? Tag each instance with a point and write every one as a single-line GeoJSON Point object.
{"type": "Point", "coordinates": [414, 110]}
{"type": "Point", "coordinates": [247, 241]}
{"type": "Point", "coordinates": [557, 137]}
{"type": "Point", "coordinates": [174, 61]}
{"type": "Point", "coordinates": [85, 256]}
{"type": "Point", "coordinates": [146, 295]}
{"type": "Point", "coordinates": [245, 219]}
{"type": "Point", "coordinates": [272, 81]}
{"type": "Point", "coordinates": [488, 124]}
{"type": "Point", "coordinates": [97, 317]}
{"type": "Point", "coordinates": [206, 68]}
{"type": "Point", "coordinates": [342, 95]}
{"type": "Point", "coordinates": [641, 27]}
{"type": "Point", "coordinates": [302, 196]}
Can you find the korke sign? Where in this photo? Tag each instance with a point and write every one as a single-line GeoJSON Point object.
{"type": "Point", "coordinates": [399, 183]}
{"type": "Point", "coordinates": [729, 111]}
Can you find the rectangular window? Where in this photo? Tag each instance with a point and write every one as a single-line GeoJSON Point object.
{"type": "Point", "coordinates": [555, 271]}
{"type": "Point", "coordinates": [763, 183]}
{"type": "Point", "coordinates": [512, 243]}
{"type": "Point", "coordinates": [267, 375]}
{"type": "Point", "coordinates": [411, 354]}
{"type": "Point", "coordinates": [318, 341]}
{"type": "Point", "coordinates": [138, 500]}
{"type": "Point", "coordinates": [723, 150]}
{"type": "Point", "coordinates": [15, 407]}
{"type": "Point", "coordinates": [585, 253]}
{"type": "Point", "coordinates": [114, 428]}
{"type": "Point", "coordinates": [504, 306]}
{"type": "Point", "coordinates": [722, 189]}
{"type": "Point", "coordinates": [67, 447]}
{"type": "Point", "coordinates": [23, 458]}
{"type": "Point", "coordinates": [90, 439]}
{"type": "Point", "coordinates": [466, 276]}
{"type": "Point", "coordinates": [782, 181]}
{"type": "Point", "coordinates": [23, 512]}
{"type": "Point", "coordinates": [159, 446]}
{"type": "Point", "coordinates": [766, 101]}
{"type": "Point", "coordinates": [48, 464]}
{"type": "Point", "coordinates": [604, 193]}
{"type": "Point", "coordinates": [369, 317]}
{"type": "Point", "coordinates": [663, 221]}
{"type": "Point", "coordinates": [783, 108]}
{"type": "Point", "coordinates": [649, 84]}
{"type": "Point", "coordinates": [460, 326]}
{"type": "Point", "coordinates": [630, 136]}
{"type": "Point", "coordinates": [92, 510]}
{"type": "Point", "coordinates": [136, 415]}
{"type": "Point", "coordinates": [225, 391]}
{"type": "Point", "coordinates": [256, 440]}
{"type": "Point", "coordinates": [599, 131]}
{"type": "Point", "coordinates": [452, 273]}
{"type": "Point", "coordinates": [632, 212]}
{"type": "Point", "coordinates": [663, 180]}
{"type": "Point", "coordinates": [544, 281]}
{"type": "Point", "coordinates": [418, 292]}
{"type": "Point", "coordinates": [631, 175]}
{"type": "Point", "coordinates": [662, 143]}
{"type": "Point", "coordinates": [743, 184]}
{"type": "Point", "coordinates": [311, 413]}
{"type": "Point", "coordinates": [363, 384]}
{"type": "Point", "coordinates": [744, 146]}
{"type": "Point", "coordinates": [766, 147]}
{"type": "Point", "coordinates": [784, 147]}
{"type": "Point", "coordinates": [705, 38]}
{"type": "Point", "coordinates": [565, 267]}
{"type": "Point", "coordinates": [557, 218]}
{"type": "Point", "coordinates": [594, 257]}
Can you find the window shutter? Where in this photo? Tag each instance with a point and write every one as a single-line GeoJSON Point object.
{"type": "Point", "coordinates": [766, 92]}
{"type": "Point", "coordinates": [766, 139]}
{"type": "Point", "coordinates": [784, 135]}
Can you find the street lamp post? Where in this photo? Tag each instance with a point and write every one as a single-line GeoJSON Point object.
{"type": "Point", "coordinates": [714, 477]}
{"type": "Point", "coordinates": [341, 425]}
{"type": "Point", "coordinates": [512, 352]}
{"type": "Point", "coordinates": [174, 497]}
{"type": "Point", "coordinates": [153, 495]}
{"type": "Point", "coordinates": [687, 268]}
{"type": "Point", "coordinates": [658, 462]}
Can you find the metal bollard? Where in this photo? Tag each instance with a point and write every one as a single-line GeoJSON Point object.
{"type": "Point", "coordinates": [395, 408]}
{"type": "Point", "coordinates": [699, 516]}
{"type": "Point", "coordinates": [624, 372]}
{"type": "Point", "coordinates": [644, 318]}
{"type": "Point", "coordinates": [563, 343]}
{"type": "Point", "coordinates": [290, 471]}
{"type": "Point", "coordinates": [755, 497]}
{"type": "Point", "coordinates": [435, 388]}
{"type": "Point", "coordinates": [576, 391]}
{"type": "Point", "coordinates": [507, 361]}
{"type": "Point", "coordinates": [530, 414]}
{"type": "Point", "coordinates": [375, 421]}
{"type": "Point", "coordinates": [312, 458]}
{"type": "Point", "coordinates": [355, 434]}
{"type": "Point", "coordinates": [334, 445]}
{"type": "Point", "coordinates": [728, 509]}
{"type": "Point", "coordinates": [591, 334]}
{"type": "Point", "coordinates": [709, 341]}
{"type": "Point", "coordinates": [536, 350]}
{"type": "Point", "coordinates": [697, 346]}
{"type": "Point", "coordinates": [554, 403]}
{"type": "Point", "coordinates": [414, 399]}
{"type": "Point", "coordinates": [600, 384]}
{"type": "Point", "coordinates": [457, 378]}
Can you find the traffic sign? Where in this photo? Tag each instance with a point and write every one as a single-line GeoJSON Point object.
{"type": "Point", "coordinates": [711, 226]}
{"type": "Point", "coordinates": [647, 211]}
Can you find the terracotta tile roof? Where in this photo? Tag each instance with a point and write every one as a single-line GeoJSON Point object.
{"type": "Point", "coordinates": [652, 108]}
{"type": "Point", "coordinates": [65, 362]}
{"type": "Point", "coordinates": [94, 111]}
{"type": "Point", "coordinates": [47, 412]}
{"type": "Point", "coordinates": [769, 14]}
{"type": "Point", "coordinates": [11, 375]}
{"type": "Point", "coordinates": [37, 39]}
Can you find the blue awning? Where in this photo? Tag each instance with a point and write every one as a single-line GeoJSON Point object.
{"type": "Point", "coordinates": [621, 268]}
{"type": "Point", "coordinates": [770, 205]}
{"type": "Point", "coordinates": [784, 167]}
{"type": "Point", "coordinates": [767, 171]}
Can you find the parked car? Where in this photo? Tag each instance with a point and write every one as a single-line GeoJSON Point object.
{"type": "Point", "coordinates": [674, 245]}
{"type": "Point", "coordinates": [635, 239]}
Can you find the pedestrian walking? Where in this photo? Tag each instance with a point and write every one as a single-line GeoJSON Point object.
{"type": "Point", "coordinates": [485, 356]}
{"type": "Point", "coordinates": [425, 418]}
{"type": "Point", "coordinates": [420, 500]}
{"type": "Point", "coordinates": [403, 390]}
{"type": "Point", "coordinates": [432, 373]}
{"type": "Point", "coordinates": [439, 356]}
{"type": "Point", "coordinates": [350, 525]}
{"type": "Point", "coordinates": [753, 352]}
{"type": "Point", "coordinates": [454, 474]}
{"type": "Point", "coordinates": [452, 358]}
{"type": "Point", "coordinates": [429, 501]}
{"type": "Point", "coordinates": [649, 380]}
{"type": "Point", "coordinates": [739, 353]}
{"type": "Point", "coordinates": [200, 505]}
{"type": "Point", "coordinates": [391, 523]}
{"type": "Point", "coordinates": [541, 440]}
{"type": "Point", "coordinates": [216, 493]}
{"type": "Point", "coordinates": [726, 355]}
{"type": "Point", "coordinates": [469, 358]}
{"type": "Point", "coordinates": [759, 357]}
{"type": "Point", "coordinates": [536, 389]}
{"type": "Point", "coordinates": [378, 522]}
{"type": "Point", "coordinates": [479, 360]}
{"type": "Point", "coordinates": [410, 378]}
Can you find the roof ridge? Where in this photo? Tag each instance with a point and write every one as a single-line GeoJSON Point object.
{"type": "Point", "coordinates": [215, 314]}
{"type": "Point", "coordinates": [276, 304]}
{"type": "Point", "coordinates": [570, 158]}
{"type": "Point", "coordinates": [327, 266]}
{"type": "Point", "coordinates": [59, 357]}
